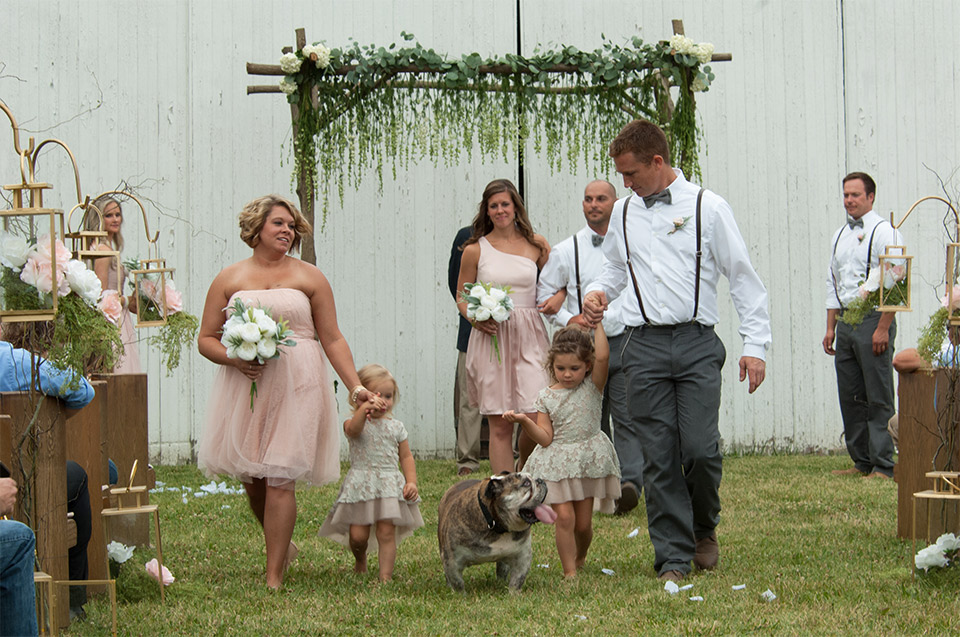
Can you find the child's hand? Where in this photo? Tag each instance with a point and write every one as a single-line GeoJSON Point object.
{"type": "Point", "coordinates": [410, 491]}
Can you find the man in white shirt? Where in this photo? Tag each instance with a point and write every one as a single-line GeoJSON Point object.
{"type": "Point", "coordinates": [666, 248]}
{"type": "Point", "coordinates": [574, 263]}
{"type": "Point", "coordinates": [863, 356]}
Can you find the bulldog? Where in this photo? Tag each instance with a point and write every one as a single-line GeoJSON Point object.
{"type": "Point", "coordinates": [489, 521]}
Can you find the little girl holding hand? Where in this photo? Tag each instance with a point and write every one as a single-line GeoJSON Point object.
{"type": "Point", "coordinates": [374, 492]}
{"type": "Point", "coordinates": [573, 456]}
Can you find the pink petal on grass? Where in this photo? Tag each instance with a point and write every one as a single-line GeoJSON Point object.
{"type": "Point", "coordinates": [151, 567]}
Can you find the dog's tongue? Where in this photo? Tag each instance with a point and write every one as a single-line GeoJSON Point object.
{"type": "Point", "coordinates": [545, 514]}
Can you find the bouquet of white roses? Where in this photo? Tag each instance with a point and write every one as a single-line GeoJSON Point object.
{"type": "Point", "coordinates": [488, 301]}
{"type": "Point", "coordinates": [251, 333]}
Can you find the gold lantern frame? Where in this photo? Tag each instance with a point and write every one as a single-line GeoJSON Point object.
{"type": "Point", "coordinates": [33, 209]}
{"type": "Point", "coordinates": [886, 259]}
{"type": "Point", "coordinates": [952, 263]}
{"type": "Point", "coordinates": [83, 242]}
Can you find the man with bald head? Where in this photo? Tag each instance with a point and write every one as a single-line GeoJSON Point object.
{"type": "Point", "coordinates": [574, 263]}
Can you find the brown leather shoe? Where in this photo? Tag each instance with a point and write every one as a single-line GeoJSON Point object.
{"type": "Point", "coordinates": [877, 474]}
{"type": "Point", "coordinates": [670, 576]}
{"type": "Point", "coordinates": [708, 553]}
{"type": "Point", "coordinates": [464, 471]}
{"type": "Point", "coordinates": [629, 497]}
{"type": "Point", "coordinates": [852, 471]}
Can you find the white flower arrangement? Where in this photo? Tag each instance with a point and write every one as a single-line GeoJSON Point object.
{"type": "Point", "coordinates": [938, 554]}
{"type": "Point", "coordinates": [322, 53]}
{"type": "Point", "coordinates": [487, 301]}
{"type": "Point", "coordinates": [290, 63]}
{"type": "Point", "coordinates": [118, 552]}
{"type": "Point", "coordinates": [251, 333]}
{"type": "Point", "coordinates": [288, 86]}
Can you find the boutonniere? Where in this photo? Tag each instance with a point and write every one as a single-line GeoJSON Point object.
{"type": "Point", "coordinates": [679, 223]}
{"type": "Point", "coordinates": [860, 237]}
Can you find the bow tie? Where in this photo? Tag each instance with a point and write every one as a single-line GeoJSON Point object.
{"type": "Point", "coordinates": [663, 195]}
{"type": "Point", "coordinates": [597, 240]}
{"type": "Point", "coordinates": [854, 223]}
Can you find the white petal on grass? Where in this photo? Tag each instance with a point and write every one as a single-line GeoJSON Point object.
{"type": "Point", "coordinates": [671, 587]}
{"type": "Point", "coordinates": [543, 566]}
{"type": "Point", "coordinates": [581, 617]}
{"type": "Point", "coordinates": [768, 595]}
{"type": "Point", "coordinates": [634, 532]}
{"type": "Point", "coordinates": [738, 587]}
{"type": "Point", "coordinates": [607, 571]}
{"type": "Point", "coordinates": [686, 587]}
{"type": "Point", "coordinates": [696, 598]}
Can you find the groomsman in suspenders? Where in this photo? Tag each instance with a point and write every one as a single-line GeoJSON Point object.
{"type": "Point", "coordinates": [666, 248]}
{"type": "Point", "coordinates": [863, 354]}
{"type": "Point", "coordinates": [575, 262]}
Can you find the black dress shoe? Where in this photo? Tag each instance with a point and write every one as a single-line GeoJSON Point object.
{"type": "Point", "coordinates": [629, 497]}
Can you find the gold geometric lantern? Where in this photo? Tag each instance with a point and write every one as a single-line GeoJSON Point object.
{"type": "Point", "coordinates": [83, 243]}
{"type": "Point", "coordinates": [895, 277]}
{"type": "Point", "coordinates": [23, 225]}
{"type": "Point", "coordinates": [953, 312]}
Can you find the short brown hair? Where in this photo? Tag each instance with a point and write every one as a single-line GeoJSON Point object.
{"type": "Point", "coordinates": [642, 138]}
{"type": "Point", "coordinates": [869, 185]}
{"type": "Point", "coordinates": [255, 214]}
{"type": "Point", "coordinates": [572, 339]}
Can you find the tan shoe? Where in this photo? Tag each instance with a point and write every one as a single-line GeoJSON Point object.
{"type": "Point", "coordinates": [852, 471]}
{"type": "Point", "coordinates": [877, 474]}
{"type": "Point", "coordinates": [670, 576]}
{"type": "Point", "coordinates": [708, 553]}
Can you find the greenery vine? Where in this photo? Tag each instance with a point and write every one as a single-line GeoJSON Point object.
{"type": "Point", "coordinates": [358, 105]}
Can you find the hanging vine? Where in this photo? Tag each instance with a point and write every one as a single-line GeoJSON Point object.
{"type": "Point", "coordinates": [368, 107]}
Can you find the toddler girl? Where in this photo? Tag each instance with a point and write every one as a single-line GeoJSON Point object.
{"type": "Point", "coordinates": [374, 491]}
{"type": "Point", "coordinates": [573, 456]}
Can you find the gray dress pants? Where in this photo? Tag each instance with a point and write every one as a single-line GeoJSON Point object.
{"type": "Point", "coordinates": [673, 384]}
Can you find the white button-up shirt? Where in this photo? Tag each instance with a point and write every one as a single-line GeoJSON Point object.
{"type": "Point", "coordinates": [663, 244]}
{"type": "Point", "coordinates": [848, 261]}
{"type": "Point", "coordinates": [561, 272]}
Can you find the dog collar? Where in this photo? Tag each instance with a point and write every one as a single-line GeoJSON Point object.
{"type": "Point", "coordinates": [493, 525]}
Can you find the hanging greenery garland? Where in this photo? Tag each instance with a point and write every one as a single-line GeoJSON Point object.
{"type": "Point", "coordinates": [370, 107]}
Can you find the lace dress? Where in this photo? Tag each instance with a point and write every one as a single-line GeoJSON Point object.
{"type": "Point", "coordinates": [373, 487]}
{"type": "Point", "coordinates": [581, 461]}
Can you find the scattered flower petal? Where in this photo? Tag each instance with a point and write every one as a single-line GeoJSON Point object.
{"type": "Point", "coordinates": [738, 587]}
{"type": "Point", "coordinates": [686, 587]}
{"type": "Point", "coordinates": [696, 598]}
{"type": "Point", "coordinates": [607, 571]}
{"type": "Point", "coordinates": [768, 595]}
{"type": "Point", "coordinates": [581, 617]}
{"type": "Point", "coordinates": [543, 566]}
{"type": "Point", "coordinates": [151, 567]}
{"type": "Point", "coordinates": [671, 587]}
{"type": "Point", "coordinates": [634, 532]}
{"type": "Point", "coordinates": [225, 506]}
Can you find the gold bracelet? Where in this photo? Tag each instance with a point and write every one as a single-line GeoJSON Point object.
{"type": "Point", "coordinates": [354, 393]}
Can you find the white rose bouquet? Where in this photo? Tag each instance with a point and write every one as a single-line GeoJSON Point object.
{"type": "Point", "coordinates": [488, 301]}
{"type": "Point", "coordinates": [252, 333]}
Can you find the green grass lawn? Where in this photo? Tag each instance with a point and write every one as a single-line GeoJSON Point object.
{"type": "Point", "coordinates": [825, 545]}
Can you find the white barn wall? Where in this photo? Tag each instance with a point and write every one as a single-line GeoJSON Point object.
{"type": "Point", "coordinates": [153, 93]}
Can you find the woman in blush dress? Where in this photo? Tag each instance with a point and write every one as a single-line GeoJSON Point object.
{"type": "Point", "coordinates": [504, 250]}
{"type": "Point", "coordinates": [112, 278]}
{"type": "Point", "coordinates": [291, 432]}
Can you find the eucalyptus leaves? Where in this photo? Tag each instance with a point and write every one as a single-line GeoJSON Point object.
{"type": "Point", "coordinates": [374, 105]}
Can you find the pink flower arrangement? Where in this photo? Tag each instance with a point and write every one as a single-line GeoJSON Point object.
{"type": "Point", "coordinates": [174, 299]}
{"type": "Point", "coordinates": [955, 304]}
{"type": "Point", "coordinates": [38, 271]}
{"type": "Point", "coordinates": [110, 306]}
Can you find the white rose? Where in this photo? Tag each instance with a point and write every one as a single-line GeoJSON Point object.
{"type": "Point", "coordinates": [703, 52]}
{"type": "Point", "coordinates": [873, 281]}
{"type": "Point", "coordinates": [482, 314]}
{"type": "Point", "coordinates": [488, 303]}
{"type": "Point", "coordinates": [497, 294]}
{"type": "Point", "coordinates": [14, 251]}
{"type": "Point", "coordinates": [948, 542]}
{"type": "Point", "coordinates": [290, 63]}
{"type": "Point", "coordinates": [471, 312]}
{"type": "Point", "coordinates": [500, 314]}
{"type": "Point", "coordinates": [267, 348]}
{"type": "Point", "coordinates": [247, 351]}
{"type": "Point", "coordinates": [83, 281]}
{"type": "Point", "coordinates": [930, 557]}
{"type": "Point", "coordinates": [118, 552]}
{"type": "Point", "coordinates": [233, 322]}
{"type": "Point", "coordinates": [266, 324]}
{"type": "Point", "coordinates": [288, 86]}
{"type": "Point", "coordinates": [250, 333]}
{"type": "Point", "coordinates": [478, 291]}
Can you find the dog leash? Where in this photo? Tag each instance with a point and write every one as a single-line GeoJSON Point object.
{"type": "Point", "coordinates": [493, 525]}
